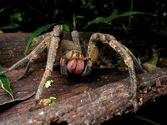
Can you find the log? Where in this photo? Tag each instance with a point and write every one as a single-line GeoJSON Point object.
{"type": "Point", "coordinates": [12, 46]}
{"type": "Point", "coordinates": [96, 105]}
{"type": "Point", "coordinates": [90, 101]}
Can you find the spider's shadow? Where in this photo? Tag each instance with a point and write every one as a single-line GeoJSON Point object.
{"type": "Point", "coordinates": [96, 75]}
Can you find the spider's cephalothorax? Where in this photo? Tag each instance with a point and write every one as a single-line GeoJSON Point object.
{"type": "Point", "coordinates": [72, 60]}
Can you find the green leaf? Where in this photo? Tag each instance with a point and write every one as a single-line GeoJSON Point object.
{"type": "Point", "coordinates": [108, 20]}
{"type": "Point", "coordinates": [10, 26]}
{"type": "Point", "coordinates": [66, 27]}
{"type": "Point", "coordinates": [105, 20]}
{"type": "Point", "coordinates": [5, 84]}
{"type": "Point", "coordinates": [75, 20]}
{"type": "Point", "coordinates": [155, 57]}
{"type": "Point", "coordinates": [16, 16]}
{"type": "Point", "coordinates": [163, 31]}
{"type": "Point", "coordinates": [130, 13]}
{"type": "Point", "coordinates": [36, 33]}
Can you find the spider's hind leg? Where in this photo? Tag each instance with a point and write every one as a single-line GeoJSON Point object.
{"type": "Point", "coordinates": [25, 72]}
{"type": "Point", "coordinates": [30, 58]}
{"type": "Point", "coordinates": [16, 65]}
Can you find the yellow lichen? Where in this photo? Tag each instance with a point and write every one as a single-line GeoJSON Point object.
{"type": "Point", "coordinates": [48, 101]}
{"type": "Point", "coordinates": [48, 83]}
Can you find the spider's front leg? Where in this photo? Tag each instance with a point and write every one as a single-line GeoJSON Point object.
{"type": "Point", "coordinates": [123, 52]}
{"type": "Point", "coordinates": [53, 47]}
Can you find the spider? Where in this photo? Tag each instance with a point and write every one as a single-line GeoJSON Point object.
{"type": "Point", "coordinates": [72, 60]}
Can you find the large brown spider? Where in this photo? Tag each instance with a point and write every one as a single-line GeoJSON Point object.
{"type": "Point", "coordinates": [73, 60]}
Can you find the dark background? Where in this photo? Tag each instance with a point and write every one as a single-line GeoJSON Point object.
{"type": "Point", "coordinates": [28, 15]}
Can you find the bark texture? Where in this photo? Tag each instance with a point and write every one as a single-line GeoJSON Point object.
{"type": "Point", "coordinates": [79, 101]}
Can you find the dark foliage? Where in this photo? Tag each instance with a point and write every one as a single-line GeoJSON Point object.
{"type": "Point", "coordinates": [28, 15]}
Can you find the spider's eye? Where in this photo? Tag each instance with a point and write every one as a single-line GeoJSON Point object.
{"type": "Point", "coordinates": [75, 66]}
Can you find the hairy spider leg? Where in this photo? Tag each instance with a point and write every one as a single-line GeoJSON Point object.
{"type": "Point", "coordinates": [112, 42]}
{"type": "Point", "coordinates": [75, 39]}
{"type": "Point", "coordinates": [136, 62]}
{"type": "Point", "coordinates": [30, 57]}
{"type": "Point", "coordinates": [25, 71]}
{"type": "Point", "coordinates": [53, 47]}
{"type": "Point", "coordinates": [16, 65]}
{"type": "Point", "coordinates": [36, 52]}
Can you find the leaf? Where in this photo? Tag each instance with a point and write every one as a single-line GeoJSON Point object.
{"type": "Point", "coordinates": [16, 16]}
{"type": "Point", "coordinates": [36, 33]}
{"type": "Point", "coordinates": [108, 20]}
{"type": "Point", "coordinates": [10, 26]}
{"type": "Point", "coordinates": [130, 13]}
{"type": "Point", "coordinates": [66, 27]}
{"type": "Point", "coordinates": [155, 57]}
{"type": "Point", "coordinates": [5, 84]}
{"type": "Point", "coordinates": [163, 31]}
{"type": "Point", "coordinates": [151, 65]}
{"type": "Point", "coordinates": [75, 20]}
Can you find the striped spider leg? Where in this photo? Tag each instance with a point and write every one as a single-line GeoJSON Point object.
{"type": "Point", "coordinates": [123, 51]}
{"type": "Point", "coordinates": [51, 41]}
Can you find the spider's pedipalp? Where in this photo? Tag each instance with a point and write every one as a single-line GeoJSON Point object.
{"type": "Point", "coordinates": [63, 66]}
{"type": "Point", "coordinates": [91, 55]}
{"type": "Point", "coordinates": [88, 68]}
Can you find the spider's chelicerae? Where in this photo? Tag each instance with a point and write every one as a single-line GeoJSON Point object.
{"type": "Point", "coordinates": [73, 61]}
